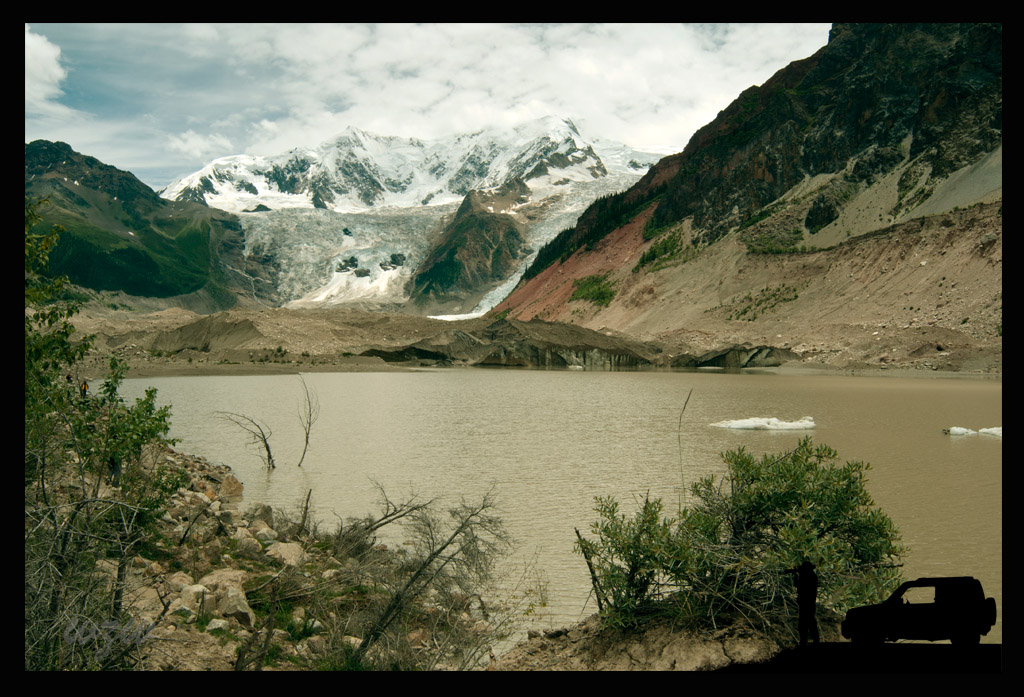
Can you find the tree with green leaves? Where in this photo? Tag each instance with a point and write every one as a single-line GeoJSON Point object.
{"type": "Point", "coordinates": [90, 503]}
{"type": "Point", "coordinates": [725, 558]}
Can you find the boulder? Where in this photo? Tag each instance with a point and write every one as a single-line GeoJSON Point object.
{"type": "Point", "coordinates": [178, 580]}
{"type": "Point", "coordinates": [231, 489]}
{"type": "Point", "coordinates": [216, 624]}
{"type": "Point", "coordinates": [258, 525]}
{"type": "Point", "coordinates": [318, 644]}
{"type": "Point", "coordinates": [234, 606]}
{"type": "Point", "coordinates": [265, 534]}
{"type": "Point", "coordinates": [248, 547]}
{"type": "Point", "coordinates": [220, 580]}
{"type": "Point", "coordinates": [288, 553]}
{"type": "Point", "coordinates": [261, 511]}
{"type": "Point", "coordinates": [197, 598]}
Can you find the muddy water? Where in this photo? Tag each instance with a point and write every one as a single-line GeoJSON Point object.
{"type": "Point", "coordinates": [548, 442]}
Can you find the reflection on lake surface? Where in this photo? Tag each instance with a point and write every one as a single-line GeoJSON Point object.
{"type": "Point", "coordinates": [548, 442]}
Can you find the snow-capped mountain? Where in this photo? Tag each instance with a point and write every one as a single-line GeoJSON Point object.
{"type": "Point", "coordinates": [359, 170]}
{"type": "Point", "coordinates": [351, 220]}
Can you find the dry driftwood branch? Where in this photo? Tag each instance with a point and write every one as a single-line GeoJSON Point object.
{"type": "Point", "coordinates": [309, 412]}
{"type": "Point", "coordinates": [585, 549]}
{"type": "Point", "coordinates": [465, 534]}
{"type": "Point", "coordinates": [260, 433]}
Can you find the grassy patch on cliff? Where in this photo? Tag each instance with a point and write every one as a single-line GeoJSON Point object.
{"type": "Point", "coordinates": [597, 289]}
{"type": "Point", "coordinates": [773, 241]}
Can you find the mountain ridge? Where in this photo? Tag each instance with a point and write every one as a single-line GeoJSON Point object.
{"type": "Point", "coordinates": [883, 126]}
{"type": "Point", "coordinates": [359, 170]}
{"type": "Point", "coordinates": [822, 114]}
{"type": "Point", "coordinates": [360, 190]}
{"type": "Point", "coordinates": [298, 250]}
{"type": "Point", "coordinates": [119, 235]}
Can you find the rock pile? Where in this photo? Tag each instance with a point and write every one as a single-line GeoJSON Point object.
{"type": "Point", "coordinates": [223, 582]}
{"type": "Point", "coordinates": [193, 594]}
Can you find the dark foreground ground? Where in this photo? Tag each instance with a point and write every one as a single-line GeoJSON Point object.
{"type": "Point", "coordinates": [886, 658]}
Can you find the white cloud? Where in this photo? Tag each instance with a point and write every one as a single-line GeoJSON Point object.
{"type": "Point", "coordinates": [43, 75]}
{"type": "Point", "coordinates": [198, 146]}
{"type": "Point", "coordinates": [211, 90]}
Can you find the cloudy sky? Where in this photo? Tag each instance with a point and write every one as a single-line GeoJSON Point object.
{"type": "Point", "coordinates": [162, 100]}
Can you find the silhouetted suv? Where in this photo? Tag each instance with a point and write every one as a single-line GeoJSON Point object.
{"type": "Point", "coordinates": [960, 613]}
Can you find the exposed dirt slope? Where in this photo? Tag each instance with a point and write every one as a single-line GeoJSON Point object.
{"type": "Point", "coordinates": [927, 292]}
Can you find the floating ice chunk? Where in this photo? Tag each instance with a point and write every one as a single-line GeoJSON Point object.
{"type": "Point", "coordinates": [961, 431]}
{"type": "Point", "coordinates": [768, 424]}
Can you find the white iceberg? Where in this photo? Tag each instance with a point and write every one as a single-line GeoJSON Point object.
{"type": "Point", "coordinates": [769, 423]}
{"type": "Point", "coordinates": [961, 431]}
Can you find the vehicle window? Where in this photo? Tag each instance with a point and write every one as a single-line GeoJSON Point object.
{"type": "Point", "coordinates": [919, 596]}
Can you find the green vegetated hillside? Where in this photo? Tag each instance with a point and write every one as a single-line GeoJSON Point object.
{"type": "Point", "coordinates": [119, 235]}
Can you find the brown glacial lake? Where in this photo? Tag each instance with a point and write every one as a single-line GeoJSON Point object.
{"type": "Point", "coordinates": [548, 442]}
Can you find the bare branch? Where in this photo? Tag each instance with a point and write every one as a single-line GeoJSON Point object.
{"type": "Point", "coordinates": [260, 433]}
{"type": "Point", "coordinates": [469, 520]}
{"type": "Point", "coordinates": [392, 512]}
{"type": "Point", "coordinates": [309, 412]}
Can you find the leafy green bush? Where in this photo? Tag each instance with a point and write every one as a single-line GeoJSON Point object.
{"type": "Point", "coordinates": [88, 500]}
{"type": "Point", "coordinates": [725, 558]}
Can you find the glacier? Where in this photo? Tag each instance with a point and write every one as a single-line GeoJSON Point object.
{"type": "Point", "coordinates": [332, 217]}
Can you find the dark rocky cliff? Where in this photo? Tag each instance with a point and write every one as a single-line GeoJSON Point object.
{"type": "Point", "coordinates": [926, 97]}
{"type": "Point", "coordinates": [479, 248]}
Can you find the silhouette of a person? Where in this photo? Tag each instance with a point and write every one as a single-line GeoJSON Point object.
{"type": "Point", "coordinates": [807, 601]}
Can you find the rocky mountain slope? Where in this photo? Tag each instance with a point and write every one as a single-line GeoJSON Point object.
{"type": "Point", "coordinates": [835, 205]}
{"type": "Point", "coordinates": [483, 245]}
{"type": "Point", "coordinates": [259, 231]}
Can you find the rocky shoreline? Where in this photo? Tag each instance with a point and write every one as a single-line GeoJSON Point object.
{"type": "Point", "coordinates": [198, 594]}
{"type": "Point", "coordinates": [191, 593]}
{"type": "Point", "coordinates": [143, 363]}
